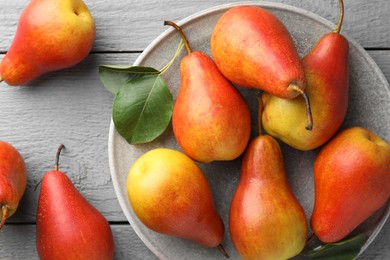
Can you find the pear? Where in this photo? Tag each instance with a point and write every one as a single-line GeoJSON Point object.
{"type": "Point", "coordinates": [68, 226]}
{"type": "Point", "coordinates": [211, 120]}
{"type": "Point", "coordinates": [51, 35]}
{"type": "Point", "coordinates": [253, 49]}
{"type": "Point", "coordinates": [170, 195]}
{"type": "Point", "coordinates": [13, 180]}
{"type": "Point", "coordinates": [351, 182]}
{"type": "Point", "coordinates": [266, 221]}
{"type": "Point", "coordinates": [327, 72]}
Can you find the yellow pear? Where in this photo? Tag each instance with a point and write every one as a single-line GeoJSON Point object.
{"type": "Point", "coordinates": [170, 194]}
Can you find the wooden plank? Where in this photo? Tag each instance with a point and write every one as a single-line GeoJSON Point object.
{"type": "Point", "coordinates": [70, 107]}
{"type": "Point", "coordinates": [129, 246]}
{"type": "Point", "coordinates": [134, 27]}
{"type": "Point", "coordinates": [22, 239]}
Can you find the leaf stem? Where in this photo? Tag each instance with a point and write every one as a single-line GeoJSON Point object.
{"type": "Point", "coordinates": [178, 50]}
{"type": "Point", "coordinates": [222, 251]}
{"type": "Point", "coordinates": [181, 34]}
{"type": "Point", "coordinates": [338, 28]}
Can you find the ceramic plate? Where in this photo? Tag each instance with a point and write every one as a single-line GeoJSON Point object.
{"type": "Point", "coordinates": [369, 107]}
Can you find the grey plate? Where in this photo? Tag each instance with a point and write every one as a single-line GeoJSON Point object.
{"type": "Point", "coordinates": [369, 107]}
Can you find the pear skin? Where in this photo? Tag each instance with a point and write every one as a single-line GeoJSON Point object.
{"type": "Point", "coordinates": [254, 49]}
{"type": "Point", "coordinates": [51, 35]}
{"type": "Point", "coordinates": [327, 72]}
{"type": "Point", "coordinates": [68, 226]}
{"type": "Point", "coordinates": [170, 195]}
{"type": "Point", "coordinates": [266, 220]}
{"type": "Point", "coordinates": [13, 180]}
{"type": "Point", "coordinates": [351, 182]}
{"type": "Point", "coordinates": [211, 120]}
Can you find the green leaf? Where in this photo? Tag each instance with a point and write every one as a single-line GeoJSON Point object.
{"type": "Point", "coordinates": [344, 250]}
{"type": "Point", "coordinates": [114, 77]}
{"type": "Point", "coordinates": [142, 108]}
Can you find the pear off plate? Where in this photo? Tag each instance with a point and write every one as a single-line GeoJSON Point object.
{"type": "Point", "coordinates": [369, 106]}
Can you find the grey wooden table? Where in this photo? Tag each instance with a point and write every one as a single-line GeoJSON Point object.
{"type": "Point", "coordinates": [72, 107]}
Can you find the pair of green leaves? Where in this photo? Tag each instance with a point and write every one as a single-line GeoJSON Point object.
{"type": "Point", "coordinates": [143, 104]}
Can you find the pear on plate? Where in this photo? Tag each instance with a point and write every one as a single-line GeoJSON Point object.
{"type": "Point", "coordinates": [266, 221]}
{"type": "Point", "coordinates": [327, 72]}
{"type": "Point", "coordinates": [170, 194]}
{"type": "Point", "coordinates": [351, 182]}
{"type": "Point", "coordinates": [211, 120]}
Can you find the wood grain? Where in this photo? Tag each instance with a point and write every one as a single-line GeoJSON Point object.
{"type": "Point", "coordinates": [132, 26]}
{"type": "Point", "coordinates": [21, 238]}
{"type": "Point", "coordinates": [70, 107]}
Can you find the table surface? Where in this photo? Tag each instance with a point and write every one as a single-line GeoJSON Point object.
{"type": "Point", "coordinates": [72, 107]}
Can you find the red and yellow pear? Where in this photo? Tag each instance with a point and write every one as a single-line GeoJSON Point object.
{"type": "Point", "coordinates": [266, 220]}
{"type": "Point", "coordinates": [211, 120]}
{"type": "Point", "coordinates": [253, 49]}
{"type": "Point", "coordinates": [327, 72]}
{"type": "Point", "coordinates": [170, 195]}
{"type": "Point", "coordinates": [351, 182]}
{"type": "Point", "coordinates": [13, 180]}
{"type": "Point", "coordinates": [51, 35]}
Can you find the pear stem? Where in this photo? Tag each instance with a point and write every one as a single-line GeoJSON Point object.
{"type": "Point", "coordinates": [181, 34]}
{"type": "Point", "coordinates": [56, 164]}
{"type": "Point", "coordinates": [58, 156]}
{"type": "Point", "coordinates": [338, 28]}
{"type": "Point", "coordinates": [259, 113]}
{"type": "Point", "coordinates": [309, 125]}
{"type": "Point", "coordinates": [4, 210]}
{"type": "Point", "coordinates": [223, 251]}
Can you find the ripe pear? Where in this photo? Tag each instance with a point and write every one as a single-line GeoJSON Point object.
{"type": "Point", "coordinates": [13, 180]}
{"type": "Point", "coordinates": [327, 72]}
{"type": "Point", "coordinates": [352, 181]}
{"type": "Point", "coordinates": [266, 221]}
{"type": "Point", "coordinates": [170, 195]}
{"type": "Point", "coordinates": [253, 49]}
{"type": "Point", "coordinates": [68, 226]}
{"type": "Point", "coordinates": [51, 35]}
{"type": "Point", "coordinates": [211, 120]}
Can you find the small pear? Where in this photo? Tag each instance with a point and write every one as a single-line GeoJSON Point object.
{"type": "Point", "coordinates": [327, 72]}
{"type": "Point", "coordinates": [211, 120]}
{"type": "Point", "coordinates": [170, 195]}
{"type": "Point", "coordinates": [13, 180]}
{"type": "Point", "coordinates": [51, 35]}
{"type": "Point", "coordinates": [266, 221]}
{"type": "Point", "coordinates": [351, 182]}
{"type": "Point", "coordinates": [68, 226]}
